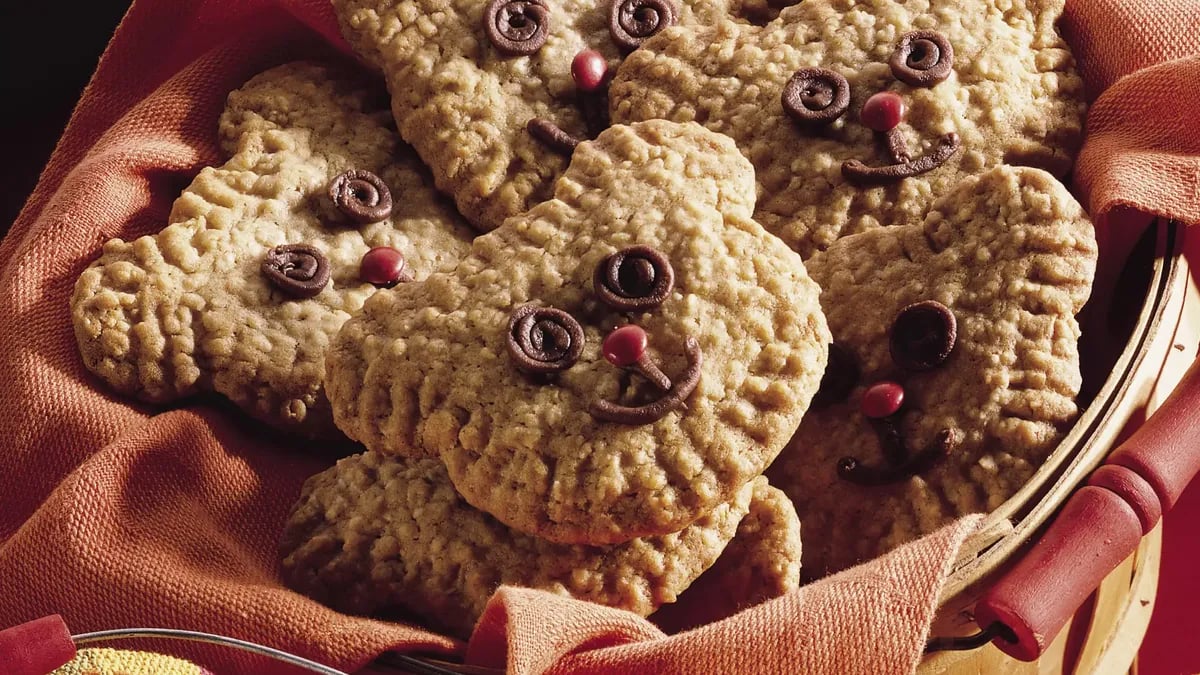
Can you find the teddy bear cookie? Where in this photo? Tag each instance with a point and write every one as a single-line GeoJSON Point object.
{"type": "Point", "coordinates": [859, 113]}
{"type": "Point", "coordinates": [319, 205]}
{"type": "Point", "coordinates": [495, 94]}
{"type": "Point", "coordinates": [959, 381]}
{"type": "Point", "coordinates": [613, 364]}
{"type": "Point", "coordinates": [377, 533]}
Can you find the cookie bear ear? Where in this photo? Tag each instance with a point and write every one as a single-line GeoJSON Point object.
{"type": "Point", "coordinates": [1022, 226]}
{"type": "Point", "coordinates": [1045, 129]}
{"type": "Point", "coordinates": [380, 30]}
{"type": "Point", "coordinates": [299, 96]}
{"type": "Point", "coordinates": [134, 321]}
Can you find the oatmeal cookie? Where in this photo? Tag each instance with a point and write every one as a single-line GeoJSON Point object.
{"type": "Point", "coordinates": [954, 368]}
{"type": "Point", "coordinates": [859, 113]}
{"type": "Point", "coordinates": [378, 534]}
{"type": "Point", "coordinates": [512, 369]}
{"type": "Point", "coordinates": [484, 89]}
{"type": "Point", "coordinates": [258, 267]}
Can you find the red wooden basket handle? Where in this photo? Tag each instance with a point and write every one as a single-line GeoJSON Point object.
{"type": "Point", "coordinates": [1099, 527]}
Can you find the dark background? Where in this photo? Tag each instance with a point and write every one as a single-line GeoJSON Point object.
{"type": "Point", "coordinates": [48, 51]}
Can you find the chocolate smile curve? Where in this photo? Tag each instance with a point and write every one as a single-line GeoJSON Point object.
{"type": "Point", "coordinates": [552, 135]}
{"type": "Point", "coordinates": [594, 107]}
{"type": "Point", "coordinates": [900, 462]}
{"type": "Point", "coordinates": [674, 397]}
{"type": "Point", "coordinates": [857, 172]}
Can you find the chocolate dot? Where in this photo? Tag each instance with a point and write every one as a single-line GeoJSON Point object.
{"type": "Point", "coordinates": [516, 27]}
{"type": "Point", "coordinates": [543, 340]}
{"type": "Point", "coordinates": [923, 335]}
{"type": "Point", "coordinates": [816, 95]}
{"type": "Point", "coordinates": [637, 277]}
{"type": "Point", "coordinates": [922, 59]}
{"type": "Point", "coordinates": [361, 196]}
{"type": "Point", "coordinates": [300, 270]}
{"type": "Point", "coordinates": [630, 22]}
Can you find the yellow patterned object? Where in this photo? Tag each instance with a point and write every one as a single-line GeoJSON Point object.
{"type": "Point", "coordinates": [122, 662]}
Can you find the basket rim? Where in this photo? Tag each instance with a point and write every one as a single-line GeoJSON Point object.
{"type": "Point", "coordinates": [1012, 525]}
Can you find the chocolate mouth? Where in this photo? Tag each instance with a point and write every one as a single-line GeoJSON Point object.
{"type": "Point", "coordinates": [900, 462]}
{"type": "Point", "coordinates": [673, 397]}
{"type": "Point", "coordinates": [594, 108]}
{"type": "Point", "coordinates": [905, 167]}
{"type": "Point", "coordinates": [552, 136]}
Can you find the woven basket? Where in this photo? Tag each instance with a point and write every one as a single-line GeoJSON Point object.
{"type": "Point", "coordinates": [1160, 344]}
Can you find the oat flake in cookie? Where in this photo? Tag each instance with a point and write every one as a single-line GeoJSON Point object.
{"type": "Point", "coordinates": [945, 396]}
{"type": "Point", "coordinates": [484, 89]}
{"type": "Point", "coordinates": [263, 257]}
{"type": "Point", "coordinates": [510, 368]}
{"type": "Point", "coordinates": [859, 113]}
{"type": "Point", "coordinates": [376, 534]}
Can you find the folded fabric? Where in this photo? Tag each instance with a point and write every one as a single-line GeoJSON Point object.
{"type": "Point", "coordinates": [1140, 60]}
{"type": "Point", "coordinates": [869, 619]}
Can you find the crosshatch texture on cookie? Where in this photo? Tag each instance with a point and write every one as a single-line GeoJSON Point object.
{"type": "Point", "coordinates": [1013, 96]}
{"type": "Point", "coordinates": [189, 309]}
{"type": "Point", "coordinates": [1012, 255]}
{"type": "Point", "coordinates": [465, 105]}
{"type": "Point", "coordinates": [377, 533]}
{"type": "Point", "coordinates": [424, 369]}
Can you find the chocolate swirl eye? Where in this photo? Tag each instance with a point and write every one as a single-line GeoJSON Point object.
{"type": "Point", "coordinates": [361, 196]}
{"type": "Point", "coordinates": [630, 22]}
{"type": "Point", "coordinates": [299, 270]}
{"type": "Point", "coordinates": [923, 335]}
{"type": "Point", "coordinates": [840, 378]}
{"type": "Point", "coordinates": [634, 278]}
{"type": "Point", "coordinates": [517, 27]}
{"type": "Point", "coordinates": [543, 339]}
{"type": "Point", "coordinates": [922, 59]}
{"type": "Point", "coordinates": [816, 95]}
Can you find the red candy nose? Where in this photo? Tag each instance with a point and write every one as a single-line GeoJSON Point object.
{"type": "Point", "coordinates": [883, 111]}
{"type": "Point", "coordinates": [624, 346]}
{"type": "Point", "coordinates": [588, 70]}
{"type": "Point", "coordinates": [881, 399]}
{"type": "Point", "coordinates": [382, 266]}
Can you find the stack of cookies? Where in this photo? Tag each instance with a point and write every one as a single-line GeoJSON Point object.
{"type": "Point", "coordinates": [692, 246]}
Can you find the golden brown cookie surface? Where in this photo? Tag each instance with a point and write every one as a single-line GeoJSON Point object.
{"type": "Point", "coordinates": [931, 92]}
{"type": "Point", "coordinates": [988, 381]}
{"type": "Point", "coordinates": [377, 533]}
{"type": "Point", "coordinates": [465, 100]}
{"type": "Point", "coordinates": [243, 290]}
{"type": "Point", "coordinates": [428, 368]}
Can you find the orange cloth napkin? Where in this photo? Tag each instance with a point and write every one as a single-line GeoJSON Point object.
{"type": "Point", "coordinates": [1140, 61]}
{"type": "Point", "coordinates": [117, 515]}
{"type": "Point", "coordinates": [871, 619]}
